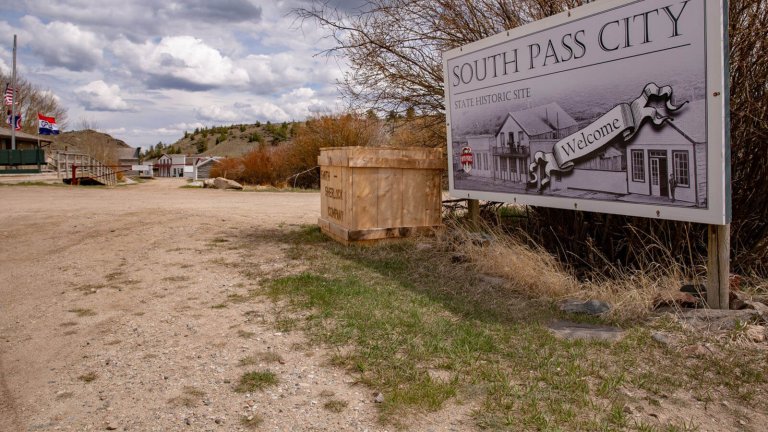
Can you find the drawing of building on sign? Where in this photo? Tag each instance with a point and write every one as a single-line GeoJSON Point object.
{"type": "Point", "coordinates": [511, 150]}
{"type": "Point", "coordinates": [662, 164]}
{"type": "Point", "coordinates": [676, 151]}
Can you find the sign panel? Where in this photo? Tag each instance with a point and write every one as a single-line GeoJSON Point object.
{"type": "Point", "coordinates": [189, 169]}
{"type": "Point", "coordinates": [139, 167]}
{"type": "Point", "coordinates": [616, 106]}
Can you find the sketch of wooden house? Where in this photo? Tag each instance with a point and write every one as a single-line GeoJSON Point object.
{"type": "Point", "coordinates": [677, 151]}
{"type": "Point", "coordinates": [482, 151]}
{"type": "Point", "coordinates": [512, 144]}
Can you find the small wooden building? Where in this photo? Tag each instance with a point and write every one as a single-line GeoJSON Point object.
{"type": "Point", "coordinates": [28, 156]}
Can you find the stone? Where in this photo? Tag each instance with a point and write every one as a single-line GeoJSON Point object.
{"type": "Point", "coordinates": [110, 425]}
{"type": "Point", "coordinates": [715, 319]}
{"type": "Point", "coordinates": [571, 330]}
{"type": "Point", "coordinates": [222, 183]}
{"type": "Point", "coordinates": [589, 307]}
{"type": "Point", "coordinates": [757, 306]}
{"type": "Point", "coordinates": [697, 350]}
{"type": "Point", "coordinates": [208, 183]}
{"type": "Point", "coordinates": [196, 183]}
{"type": "Point", "coordinates": [378, 397]}
{"type": "Point", "coordinates": [662, 338]}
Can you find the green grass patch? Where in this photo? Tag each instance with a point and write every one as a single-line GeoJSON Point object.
{"type": "Point", "coordinates": [258, 380]}
{"type": "Point", "coordinates": [335, 405]}
{"type": "Point", "coordinates": [423, 330]}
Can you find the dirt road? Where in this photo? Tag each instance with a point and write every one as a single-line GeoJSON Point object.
{"type": "Point", "coordinates": [114, 313]}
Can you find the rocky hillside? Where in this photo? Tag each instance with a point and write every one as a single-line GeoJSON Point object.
{"type": "Point", "coordinates": [234, 140]}
{"type": "Point", "coordinates": [84, 140]}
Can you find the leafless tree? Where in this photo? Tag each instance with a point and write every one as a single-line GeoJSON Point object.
{"type": "Point", "coordinates": [394, 50]}
{"type": "Point", "coordinates": [32, 99]}
{"type": "Point", "coordinates": [394, 46]}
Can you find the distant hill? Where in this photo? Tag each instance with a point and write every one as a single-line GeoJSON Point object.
{"type": "Point", "coordinates": [97, 144]}
{"type": "Point", "coordinates": [234, 140]}
{"type": "Point", "coordinates": [84, 139]}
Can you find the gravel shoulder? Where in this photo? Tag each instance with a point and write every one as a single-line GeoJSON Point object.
{"type": "Point", "coordinates": [114, 314]}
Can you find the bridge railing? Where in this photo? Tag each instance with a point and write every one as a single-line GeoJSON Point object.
{"type": "Point", "coordinates": [84, 166]}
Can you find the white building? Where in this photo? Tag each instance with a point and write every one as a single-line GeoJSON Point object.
{"type": "Point", "coordinates": [512, 151]}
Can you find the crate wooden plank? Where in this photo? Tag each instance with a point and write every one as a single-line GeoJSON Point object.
{"type": "Point", "coordinates": [432, 199]}
{"type": "Point", "coordinates": [389, 233]}
{"type": "Point", "coordinates": [390, 198]}
{"type": "Point", "coordinates": [413, 197]}
{"type": "Point", "coordinates": [364, 197]}
{"type": "Point", "coordinates": [333, 192]}
{"type": "Point", "coordinates": [382, 162]}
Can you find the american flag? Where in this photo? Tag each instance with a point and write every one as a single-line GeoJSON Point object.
{"type": "Point", "coordinates": [8, 99]}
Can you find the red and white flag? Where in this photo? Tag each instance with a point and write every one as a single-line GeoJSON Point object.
{"type": "Point", "coordinates": [47, 125]}
{"type": "Point", "coordinates": [8, 98]}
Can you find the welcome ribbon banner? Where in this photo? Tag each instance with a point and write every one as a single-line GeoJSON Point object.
{"type": "Point", "coordinates": [623, 120]}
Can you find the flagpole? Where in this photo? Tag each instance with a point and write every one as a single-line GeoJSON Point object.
{"type": "Point", "coordinates": [13, 102]}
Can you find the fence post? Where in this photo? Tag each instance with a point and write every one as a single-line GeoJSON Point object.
{"type": "Point", "coordinates": [473, 211]}
{"type": "Point", "coordinates": [718, 266]}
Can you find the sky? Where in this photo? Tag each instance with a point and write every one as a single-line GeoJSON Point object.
{"type": "Point", "coordinates": [145, 71]}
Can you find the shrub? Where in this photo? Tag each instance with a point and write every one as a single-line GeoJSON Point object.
{"type": "Point", "coordinates": [230, 168]}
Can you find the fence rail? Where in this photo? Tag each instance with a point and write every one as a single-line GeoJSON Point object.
{"type": "Point", "coordinates": [82, 165]}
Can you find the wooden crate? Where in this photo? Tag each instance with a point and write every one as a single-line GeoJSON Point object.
{"type": "Point", "coordinates": [370, 194]}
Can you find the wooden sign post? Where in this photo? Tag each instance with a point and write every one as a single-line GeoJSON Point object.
{"type": "Point", "coordinates": [718, 266]}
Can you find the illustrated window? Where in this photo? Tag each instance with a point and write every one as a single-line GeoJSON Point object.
{"type": "Point", "coordinates": [680, 160]}
{"type": "Point", "coordinates": [638, 166]}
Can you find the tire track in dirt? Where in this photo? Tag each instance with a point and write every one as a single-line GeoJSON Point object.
{"type": "Point", "coordinates": [9, 417]}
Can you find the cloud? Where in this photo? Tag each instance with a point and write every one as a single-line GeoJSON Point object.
{"type": "Point", "coordinates": [63, 44]}
{"type": "Point", "coordinates": [297, 104]}
{"type": "Point", "coordinates": [99, 96]}
{"type": "Point", "coordinates": [181, 62]}
{"type": "Point", "coordinates": [205, 10]}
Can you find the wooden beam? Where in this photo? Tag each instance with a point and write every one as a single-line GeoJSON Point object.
{"type": "Point", "coordinates": [718, 266]}
{"type": "Point", "coordinates": [473, 211]}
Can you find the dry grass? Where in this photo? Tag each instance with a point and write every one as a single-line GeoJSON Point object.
{"type": "Point", "coordinates": [88, 377]}
{"type": "Point", "coordinates": [189, 397]}
{"type": "Point", "coordinates": [261, 357]}
{"type": "Point", "coordinates": [82, 312]}
{"type": "Point", "coordinates": [530, 270]}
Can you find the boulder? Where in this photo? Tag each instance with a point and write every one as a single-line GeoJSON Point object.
{"type": "Point", "coordinates": [590, 307]}
{"type": "Point", "coordinates": [222, 183]}
{"type": "Point", "coordinates": [208, 183]}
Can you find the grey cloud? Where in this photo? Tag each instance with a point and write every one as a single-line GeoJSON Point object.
{"type": "Point", "coordinates": [221, 11]}
{"type": "Point", "coordinates": [163, 82]}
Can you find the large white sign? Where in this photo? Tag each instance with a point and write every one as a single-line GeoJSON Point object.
{"type": "Point", "coordinates": [616, 106]}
